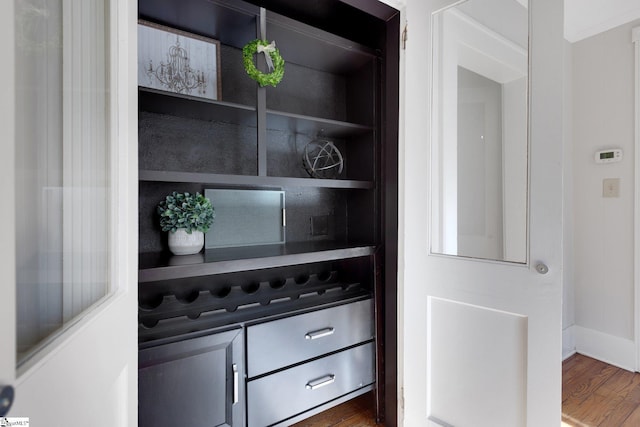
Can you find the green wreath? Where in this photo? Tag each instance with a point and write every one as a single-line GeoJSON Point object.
{"type": "Point", "coordinates": [274, 77]}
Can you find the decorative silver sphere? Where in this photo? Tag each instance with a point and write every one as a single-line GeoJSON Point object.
{"type": "Point", "coordinates": [322, 159]}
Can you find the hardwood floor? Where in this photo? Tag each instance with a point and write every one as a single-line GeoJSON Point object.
{"type": "Point", "coordinates": [594, 394]}
{"type": "Point", "coordinates": [357, 412]}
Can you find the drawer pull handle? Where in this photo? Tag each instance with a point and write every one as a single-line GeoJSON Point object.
{"type": "Point", "coordinates": [320, 382]}
{"type": "Point", "coordinates": [319, 333]}
{"type": "Point", "coordinates": [234, 369]}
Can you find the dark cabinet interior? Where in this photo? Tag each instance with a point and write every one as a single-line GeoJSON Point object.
{"type": "Point", "coordinates": [340, 85]}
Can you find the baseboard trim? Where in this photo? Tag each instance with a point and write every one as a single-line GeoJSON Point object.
{"type": "Point", "coordinates": [607, 348]}
{"type": "Point", "coordinates": [568, 342]}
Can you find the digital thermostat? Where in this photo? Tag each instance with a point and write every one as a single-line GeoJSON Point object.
{"type": "Point", "coordinates": [609, 156]}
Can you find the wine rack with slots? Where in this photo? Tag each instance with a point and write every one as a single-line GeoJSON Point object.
{"type": "Point", "coordinates": [179, 306]}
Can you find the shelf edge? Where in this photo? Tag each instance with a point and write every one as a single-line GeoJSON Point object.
{"type": "Point", "coordinates": [320, 120]}
{"type": "Point", "coordinates": [233, 266]}
{"type": "Point", "coordinates": [250, 180]}
{"type": "Point", "coordinates": [197, 99]}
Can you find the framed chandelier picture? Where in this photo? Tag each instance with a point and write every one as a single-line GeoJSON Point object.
{"type": "Point", "coordinates": [179, 62]}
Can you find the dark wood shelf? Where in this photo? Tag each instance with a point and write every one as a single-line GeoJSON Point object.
{"type": "Point", "coordinates": [313, 126]}
{"type": "Point", "coordinates": [154, 101]}
{"type": "Point", "coordinates": [250, 180]}
{"type": "Point", "coordinates": [230, 22]}
{"type": "Point", "coordinates": [164, 266]}
{"type": "Point", "coordinates": [315, 48]}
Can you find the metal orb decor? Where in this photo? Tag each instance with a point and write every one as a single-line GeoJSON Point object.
{"type": "Point", "coordinates": [322, 159]}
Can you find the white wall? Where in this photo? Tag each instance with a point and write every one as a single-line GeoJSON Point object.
{"type": "Point", "coordinates": [602, 110]}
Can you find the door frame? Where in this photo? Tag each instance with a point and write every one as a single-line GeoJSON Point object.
{"type": "Point", "coordinates": [635, 38]}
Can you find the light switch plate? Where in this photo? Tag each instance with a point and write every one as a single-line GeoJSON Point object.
{"type": "Point", "coordinates": [611, 187]}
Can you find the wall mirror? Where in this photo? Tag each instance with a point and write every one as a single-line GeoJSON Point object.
{"type": "Point", "coordinates": [479, 158]}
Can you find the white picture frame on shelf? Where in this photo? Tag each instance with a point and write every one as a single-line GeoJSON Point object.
{"type": "Point", "coordinates": [175, 61]}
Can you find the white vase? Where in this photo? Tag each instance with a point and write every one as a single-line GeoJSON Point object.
{"type": "Point", "coordinates": [183, 243]}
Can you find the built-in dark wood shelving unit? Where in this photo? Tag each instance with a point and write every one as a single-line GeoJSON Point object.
{"type": "Point", "coordinates": [340, 85]}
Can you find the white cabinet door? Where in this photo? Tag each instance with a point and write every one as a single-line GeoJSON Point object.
{"type": "Point", "coordinates": [85, 375]}
{"type": "Point", "coordinates": [481, 340]}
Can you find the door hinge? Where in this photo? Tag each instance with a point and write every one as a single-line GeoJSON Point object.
{"type": "Point", "coordinates": [405, 36]}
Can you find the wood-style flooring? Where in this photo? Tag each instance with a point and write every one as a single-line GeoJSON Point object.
{"type": "Point", "coordinates": [594, 394]}
{"type": "Point", "coordinates": [357, 412]}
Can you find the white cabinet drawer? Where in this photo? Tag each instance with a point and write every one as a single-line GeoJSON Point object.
{"type": "Point", "coordinates": [279, 396]}
{"type": "Point", "coordinates": [280, 343]}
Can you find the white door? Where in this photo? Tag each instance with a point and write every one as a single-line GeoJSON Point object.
{"type": "Point", "coordinates": [86, 373]}
{"type": "Point", "coordinates": [481, 339]}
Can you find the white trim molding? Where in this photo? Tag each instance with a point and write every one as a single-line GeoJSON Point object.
{"type": "Point", "coordinates": [635, 38]}
{"type": "Point", "coordinates": [587, 18]}
{"type": "Point", "coordinates": [568, 342]}
{"type": "Point", "coordinates": [611, 349]}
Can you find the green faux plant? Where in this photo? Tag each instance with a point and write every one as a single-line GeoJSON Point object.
{"type": "Point", "coordinates": [186, 210]}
